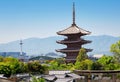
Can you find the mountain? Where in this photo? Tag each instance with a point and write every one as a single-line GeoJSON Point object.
{"type": "Point", "coordinates": [100, 44]}
{"type": "Point", "coordinates": [41, 58]}
{"type": "Point", "coordinates": [53, 55]}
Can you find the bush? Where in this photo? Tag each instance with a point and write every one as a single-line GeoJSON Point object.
{"type": "Point", "coordinates": [10, 66]}
{"type": "Point", "coordinates": [36, 67]}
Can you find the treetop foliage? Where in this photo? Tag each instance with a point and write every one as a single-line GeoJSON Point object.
{"type": "Point", "coordinates": [82, 55]}
{"type": "Point", "coordinates": [115, 49]}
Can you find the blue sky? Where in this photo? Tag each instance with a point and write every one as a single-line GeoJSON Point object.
{"type": "Point", "coordinates": [43, 18]}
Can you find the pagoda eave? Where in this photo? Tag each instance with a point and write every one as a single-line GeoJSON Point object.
{"type": "Point", "coordinates": [77, 41]}
{"type": "Point", "coordinates": [67, 34]}
{"type": "Point", "coordinates": [72, 50]}
{"type": "Point", "coordinates": [66, 51]}
{"type": "Point", "coordinates": [89, 50]}
{"type": "Point", "coordinates": [70, 59]}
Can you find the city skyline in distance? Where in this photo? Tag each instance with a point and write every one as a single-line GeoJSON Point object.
{"type": "Point", "coordinates": [21, 19]}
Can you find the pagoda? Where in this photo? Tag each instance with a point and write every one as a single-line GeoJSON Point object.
{"type": "Point", "coordinates": [73, 40]}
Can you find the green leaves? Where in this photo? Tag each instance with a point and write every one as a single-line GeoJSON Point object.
{"type": "Point", "coordinates": [82, 55]}
{"type": "Point", "coordinates": [84, 65]}
{"type": "Point", "coordinates": [115, 49]}
{"type": "Point", "coordinates": [107, 62]}
{"type": "Point", "coordinates": [36, 67]}
{"type": "Point", "coordinates": [1, 58]}
{"type": "Point", "coordinates": [10, 66]}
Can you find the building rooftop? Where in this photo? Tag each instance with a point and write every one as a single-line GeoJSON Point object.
{"type": "Point", "coordinates": [73, 29]}
{"type": "Point", "coordinates": [71, 50]}
{"type": "Point", "coordinates": [73, 41]}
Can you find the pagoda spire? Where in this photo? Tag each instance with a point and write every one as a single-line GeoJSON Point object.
{"type": "Point", "coordinates": [73, 14]}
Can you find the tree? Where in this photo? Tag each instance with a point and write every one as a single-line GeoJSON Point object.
{"type": "Point", "coordinates": [53, 65]}
{"type": "Point", "coordinates": [58, 64]}
{"type": "Point", "coordinates": [82, 61]}
{"type": "Point", "coordinates": [82, 55]}
{"type": "Point", "coordinates": [10, 65]}
{"type": "Point", "coordinates": [97, 66]}
{"type": "Point", "coordinates": [1, 58]}
{"type": "Point", "coordinates": [5, 69]}
{"type": "Point", "coordinates": [115, 49]}
{"type": "Point", "coordinates": [107, 62]}
{"type": "Point", "coordinates": [84, 65]}
{"type": "Point", "coordinates": [35, 67]}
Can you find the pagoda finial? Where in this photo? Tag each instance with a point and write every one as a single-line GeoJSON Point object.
{"type": "Point", "coordinates": [73, 14]}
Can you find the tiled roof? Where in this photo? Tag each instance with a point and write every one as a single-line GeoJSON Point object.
{"type": "Point", "coordinates": [75, 41]}
{"type": "Point", "coordinates": [65, 50]}
{"type": "Point", "coordinates": [49, 77]}
{"type": "Point", "coordinates": [64, 80]}
{"type": "Point", "coordinates": [73, 30]}
{"type": "Point", "coordinates": [58, 72]}
{"type": "Point", "coordinates": [74, 75]}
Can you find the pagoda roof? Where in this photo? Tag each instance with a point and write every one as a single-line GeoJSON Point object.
{"type": "Point", "coordinates": [67, 50]}
{"type": "Point", "coordinates": [77, 41]}
{"type": "Point", "coordinates": [71, 50]}
{"type": "Point", "coordinates": [73, 29]}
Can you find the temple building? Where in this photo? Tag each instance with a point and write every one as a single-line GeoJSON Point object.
{"type": "Point", "coordinates": [73, 40]}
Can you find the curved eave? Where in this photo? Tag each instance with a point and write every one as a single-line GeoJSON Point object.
{"type": "Point", "coordinates": [65, 51]}
{"type": "Point", "coordinates": [70, 50]}
{"type": "Point", "coordinates": [80, 33]}
{"type": "Point", "coordinates": [70, 42]}
{"type": "Point", "coordinates": [70, 59]}
{"type": "Point", "coordinates": [89, 50]}
{"type": "Point", "coordinates": [73, 29]}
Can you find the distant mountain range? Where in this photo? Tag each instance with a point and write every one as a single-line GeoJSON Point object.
{"type": "Point", "coordinates": [36, 46]}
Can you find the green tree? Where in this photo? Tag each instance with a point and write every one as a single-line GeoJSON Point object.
{"type": "Point", "coordinates": [82, 55]}
{"type": "Point", "coordinates": [5, 69]}
{"type": "Point", "coordinates": [53, 65]}
{"type": "Point", "coordinates": [36, 67]}
{"type": "Point", "coordinates": [23, 67]}
{"type": "Point", "coordinates": [58, 64]}
{"type": "Point", "coordinates": [107, 62]}
{"type": "Point", "coordinates": [97, 66]}
{"type": "Point", "coordinates": [1, 58]}
{"type": "Point", "coordinates": [115, 49]}
{"type": "Point", "coordinates": [84, 65]}
{"type": "Point", "coordinates": [11, 65]}
{"type": "Point", "coordinates": [82, 61]}
{"type": "Point", "coordinates": [70, 66]}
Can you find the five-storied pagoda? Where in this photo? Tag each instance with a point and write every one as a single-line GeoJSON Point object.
{"type": "Point", "coordinates": [73, 41]}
